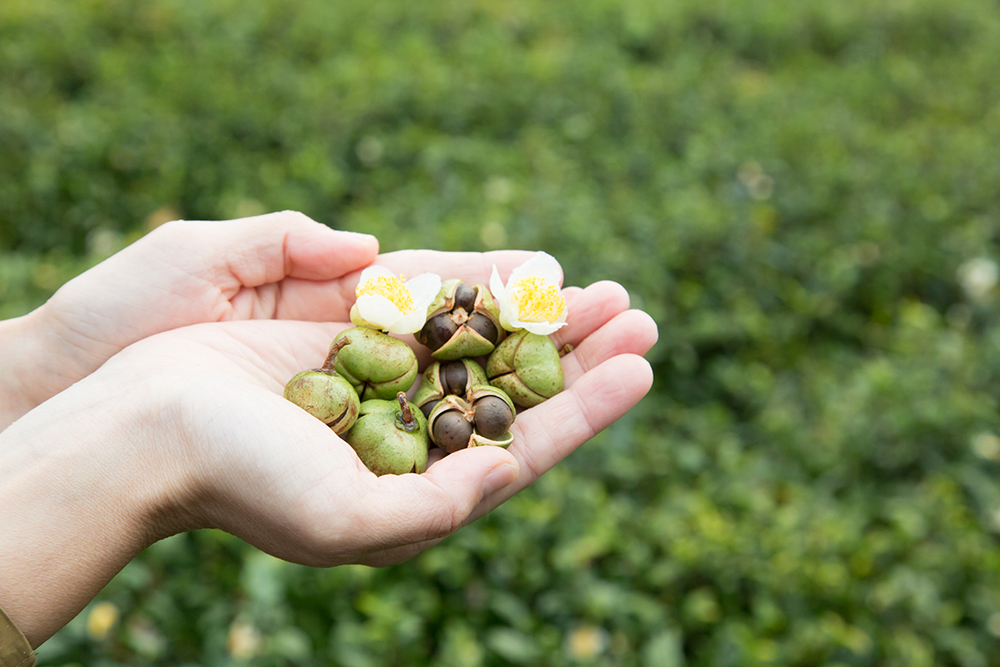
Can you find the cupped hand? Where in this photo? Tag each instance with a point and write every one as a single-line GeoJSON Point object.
{"type": "Point", "coordinates": [276, 266]}
{"type": "Point", "coordinates": [259, 467]}
{"type": "Point", "coordinates": [189, 429]}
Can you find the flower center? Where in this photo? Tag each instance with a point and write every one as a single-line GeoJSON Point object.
{"type": "Point", "coordinates": [391, 288]}
{"type": "Point", "coordinates": [537, 301]}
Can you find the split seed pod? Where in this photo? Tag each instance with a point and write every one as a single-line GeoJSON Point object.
{"type": "Point", "coordinates": [325, 394]}
{"type": "Point", "coordinates": [483, 417]}
{"type": "Point", "coordinates": [376, 364]}
{"type": "Point", "coordinates": [390, 437]}
{"type": "Point", "coordinates": [443, 378]}
{"type": "Point", "coordinates": [527, 367]}
{"type": "Point", "coordinates": [462, 321]}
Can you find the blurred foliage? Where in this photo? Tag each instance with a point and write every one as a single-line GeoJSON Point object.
{"type": "Point", "coordinates": [804, 195]}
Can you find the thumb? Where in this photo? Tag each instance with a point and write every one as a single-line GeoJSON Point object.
{"type": "Point", "coordinates": [267, 248]}
{"type": "Point", "coordinates": [411, 509]}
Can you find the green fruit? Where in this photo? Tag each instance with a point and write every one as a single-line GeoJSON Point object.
{"type": "Point", "coordinates": [462, 322]}
{"type": "Point", "coordinates": [527, 368]}
{"type": "Point", "coordinates": [483, 417]}
{"type": "Point", "coordinates": [376, 364]}
{"type": "Point", "coordinates": [325, 395]}
{"type": "Point", "coordinates": [443, 378]}
{"type": "Point", "coordinates": [389, 437]}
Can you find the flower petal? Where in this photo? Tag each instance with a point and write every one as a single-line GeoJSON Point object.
{"type": "Point", "coordinates": [424, 288]}
{"type": "Point", "coordinates": [542, 328]}
{"type": "Point", "coordinates": [541, 264]}
{"type": "Point", "coordinates": [412, 322]}
{"type": "Point", "coordinates": [372, 272]}
{"type": "Point", "coordinates": [378, 310]}
{"type": "Point", "coordinates": [500, 296]}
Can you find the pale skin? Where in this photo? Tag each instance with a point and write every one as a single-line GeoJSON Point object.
{"type": "Point", "coordinates": [181, 424]}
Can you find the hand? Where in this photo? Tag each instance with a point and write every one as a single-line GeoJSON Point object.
{"type": "Point", "coordinates": [188, 429]}
{"type": "Point", "coordinates": [275, 266]}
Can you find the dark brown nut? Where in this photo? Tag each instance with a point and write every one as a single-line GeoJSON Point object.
{"type": "Point", "coordinates": [484, 326]}
{"type": "Point", "coordinates": [454, 377]}
{"type": "Point", "coordinates": [443, 378]}
{"type": "Point", "coordinates": [456, 423]}
{"type": "Point", "coordinates": [465, 297]}
{"type": "Point", "coordinates": [438, 330]}
{"type": "Point", "coordinates": [428, 407]}
{"type": "Point", "coordinates": [462, 321]}
{"type": "Point", "coordinates": [493, 417]}
{"type": "Point", "coordinates": [452, 431]}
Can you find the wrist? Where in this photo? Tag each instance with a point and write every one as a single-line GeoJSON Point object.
{"type": "Point", "coordinates": [18, 351]}
{"type": "Point", "coordinates": [36, 364]}
{"type": "Point", "coordinates": [81, 498]}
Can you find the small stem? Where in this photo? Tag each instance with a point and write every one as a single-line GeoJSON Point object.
{"type": "Point", "coordinates": [404, 406]}
{"type": "Point", "coordinates": [566, 349]}
{"type": "Point", "coordinates": [337, 347]}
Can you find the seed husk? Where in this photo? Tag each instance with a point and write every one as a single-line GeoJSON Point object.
{"type": "Point", "coordinates": [463, 321]}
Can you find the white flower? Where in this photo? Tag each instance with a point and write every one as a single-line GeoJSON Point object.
{"type": "Point", "coordinates": [531, 298]}
{"type": "Point", "coordinates": [386, 302]}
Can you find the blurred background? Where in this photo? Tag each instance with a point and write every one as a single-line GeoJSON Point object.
{"type": "Point", "coordinates": [804, 195]}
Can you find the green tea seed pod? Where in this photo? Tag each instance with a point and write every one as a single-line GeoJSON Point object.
{"type": "Point", "coordinates": [527, 368]}
{"type": "Point", "coordinates": [462, 322]}
{"type": "Point", "coordinates": [376, 364]}
{"type": "Point", "coordinates": [443, 378]}
{"type": "Point", "coordinates": [324, 394]}
{"type": "Point", "coordinates": [484, 418]}
{"type": "Point", "coordinates": [389, 437]}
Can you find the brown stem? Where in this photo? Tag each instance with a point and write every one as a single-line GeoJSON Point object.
{"type": "Point", "coordinates": [337, 347]}
{"type": "Point", "coordinates": [408, 421]}
{"type": "Point", "coordinates": [566, 349]}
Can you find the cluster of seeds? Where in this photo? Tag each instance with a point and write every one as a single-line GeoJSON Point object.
{"type": "Point", "coordinates": [468, 397]}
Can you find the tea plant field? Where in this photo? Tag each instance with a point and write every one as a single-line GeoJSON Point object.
{"type": "Point", "coordinates": [804, 195]}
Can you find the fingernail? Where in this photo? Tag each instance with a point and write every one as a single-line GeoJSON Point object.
{"type": "Point", "coordinates": [501, 476]}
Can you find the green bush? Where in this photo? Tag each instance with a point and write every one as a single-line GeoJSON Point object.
{"type": "Point", "coordinates": [804, 195]}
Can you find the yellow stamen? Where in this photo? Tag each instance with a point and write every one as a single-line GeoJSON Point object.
{"type": "Point", "coordinates": [391, 288]}
{"type": "Point", "coordinates": [537, 301]}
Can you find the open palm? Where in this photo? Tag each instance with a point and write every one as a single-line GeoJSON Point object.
{"type": "Point", "coordinates": [259, 467]}
{"type": "Point", "coordinates": [188, 428]}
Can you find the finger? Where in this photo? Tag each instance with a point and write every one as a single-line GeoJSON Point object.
{"type": "Point", "coordinates": [589, 309]}
{"type": "Point", "coordinates": [268, 351]}
{"type": "Point", "coordinates": [249, 252]}
{"type": "Point", "coordinates": [399, 554]}
{"type": "Point", "coordinates": [402, 510]}
{"type": "Point", "coordinates": [631, 332]}
{"type": "Point", "coordinates": [470, 267]}
{"type": "Point", "coordinates": [313, 300]}
{"type": "Point", "coordinates": [570, 293]}
{"type": "Point", "coordinates": [547, 433]}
